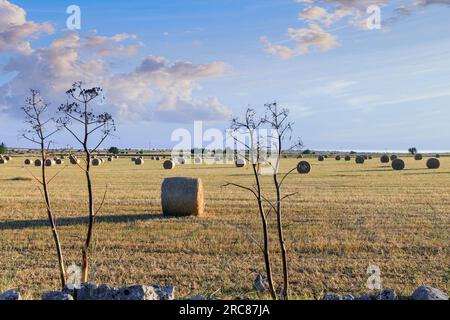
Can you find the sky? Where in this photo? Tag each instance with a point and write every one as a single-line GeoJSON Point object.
{"type": "Point", "coordinates": [165, 64]}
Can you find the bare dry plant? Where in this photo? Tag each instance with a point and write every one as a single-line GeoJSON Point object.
{"type": "Point", "coordinates": [36, 118]}
{"type": "Point", "coordinates": [80, 120]}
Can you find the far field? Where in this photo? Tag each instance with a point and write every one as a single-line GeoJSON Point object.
{"type": "Point", "coordinates": [345, 218]}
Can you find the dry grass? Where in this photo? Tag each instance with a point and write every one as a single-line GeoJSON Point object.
{"type": "Point", "coordinates": [345, 218]}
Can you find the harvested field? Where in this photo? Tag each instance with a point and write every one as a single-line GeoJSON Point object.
{"type": "Point", "coordinates": [345, 218]}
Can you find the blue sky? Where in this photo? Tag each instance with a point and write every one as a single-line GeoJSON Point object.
{"type": "Point", "coordinates": [385, 89]}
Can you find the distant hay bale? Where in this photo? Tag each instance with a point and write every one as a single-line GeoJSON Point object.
{"type": "Point", "coordinates": [438, 156]}
{"type": "Point", "coordinates": [198, 160]}
{"type": "Point", "coordinates": [366, 157]}
{"type": "Point", "coordinates": [110, 159]}
{"type": "Point", "coordinates": [27, 162]}
{"type": "Point", "coordinates": [152, 158]}
{"type": "Point", "coordinates": [8, 158]}
{"type": "Point", "coordinates": [50, 163]}
{"type": "Point", "coordinates": [38, 163]}
{"type": "Point", "coordinates": [59, 161]}
{"type": "Point", "coordinates": [433, 163]}
{"type": "Point", "coordinates": [181, 196]}
{"type": "Point", "coordinates": [157, 158]}
{"type": "Point", "coordinates": [299, 156]}
{"type": "Point", "coordinates": [348, 158]}
{"type": "Point", "coordinates": [181, 160]}
{"type": "Point", "coordinates": [3, 161]}
{"type": "Point", "coordinates": [303, 167]}
{"type": "Point", "coordinates": [338, 158]}
{"type": "Point", "coordinates": [325, 156]}
{"type": "Point", "coordinates": [169, 164]}
{"type": "Point", "coordinates": [360, 160]}
{"type": "Point", "coordinates": [74, 160]}
{"type": "Point", "coordinates": [393, 157]}
{"type": "Point", "coordinates": [133, 159]}
{"type": "Point", "coordinates": [398, 164]}
{"type": "Point", "coordinates": [139, 161]}
{"type": "Point", "coordinates": [370, 157]}
{"type": "Point", "coordinates": [321, 158]}
{"type": "Point", "coordinates": [385, 159]}
{"type": "Point", "coordinates": [418, 157]}
{"type": "Point", "coordinates": [97, 162]}
{"type": "Point", "coordinates": [240, 162]}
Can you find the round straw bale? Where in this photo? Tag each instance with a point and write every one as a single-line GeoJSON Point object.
{"type": "Point", "coordinates": [49, 162]}
{"type": "Point", "coordinates": [385, 158]}
{"type": "Point", "coordinates": [348, 158]}
{"type": "Point", "coordinates": [303, 167]}
{"type": "Point", "coordinates": [198, 160]}
{"type": "Point", "coordinates": [398, 164]}
{"type": "Point", "coordinates": [325, 156]}
{"type": "Point", "coordinates": [110, 159]}
{"type": "Point", "coordinates": [438, 156]}
{"type": "Point", "coordinates": [133, 159]}
{"type": "Point", "coordinates": [359, 159]}
{"type": "Point", "coordinates": [7, 158]}
{"type": "Point", "coordinates": [27, 162]}
{"type": "Point", "coordinates": [139, 161]}
{"type": "Point", "coordinates": [300, 156]}
{"type": "Point", "coordinates": [321, 158]}
{"type": "Point", "coordinates": [181, 160]}
{"type": "Point", "coordinates": [433, 163]}
{"type": "Point", "coordinates": [393, 157]}
{"type": "Point", "coordinates": [96, 162]}
{"type": "Point", "coordinates": [59, 161]}
{"type": "Point", "coordinates": [74, 160]}
{"type": "Point", "coordinates": [240, 162]}
{"type": "Point", "coordinates": [152, 158]}
{"type": "Point", "coordinates": [366, 157]}
{"type": "Point", "coordinates": [338, 158]}
{"type": "Point", "coordinates": [169, 164]}
{"type": "Point", "coordinates": [370, 157]}
{"type": "Point", "coordinates": [418, 157]}
{"type": "Point", "coordinates": [157, 158]}
{"type": "Point", "coordinates": [38, 163]}
{"type": "Point", "coordinates": [3, 161]}
{"type": "Point", "coordinates": [181, 196]}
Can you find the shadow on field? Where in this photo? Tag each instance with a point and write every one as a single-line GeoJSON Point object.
{"type": "Point", "coordinates": [121, 218]}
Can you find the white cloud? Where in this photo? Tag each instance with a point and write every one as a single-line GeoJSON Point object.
{"type": "Point", "coordinates": [156, 88]}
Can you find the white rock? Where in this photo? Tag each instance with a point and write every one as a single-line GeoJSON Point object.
{"type": "Point", "coordinates": [428, 293]}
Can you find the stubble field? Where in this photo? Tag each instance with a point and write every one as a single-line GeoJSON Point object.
{"type": "Point", "coordinates": [344, 218]}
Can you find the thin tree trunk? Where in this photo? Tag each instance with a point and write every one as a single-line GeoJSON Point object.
{"type": "Point", "coordinates": [51, 219]}
{"type": "Point", "coordinates": [285, 292]}
{"type": "Point", "coordinates": [266, 236]}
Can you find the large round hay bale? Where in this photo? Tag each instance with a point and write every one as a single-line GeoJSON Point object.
{"type": "Point", "coordinates": [7, 158]}
{"type": "Point", "coordinates": [398, 164]}
{"type": "Point", "coordinates": [338, 158]}
{"type": "Point", "coordinates": [348, 158]}
{"type": "Point", "coordinates": [27, 162]}
{"type": "Point", "coordinates": [240, 163]}
{"type": "Point", "coordinates": [385, 159]}
{"type": "Point", "coordinates": [49, 163]}
{"type": "Point", "coordinates": [360, 159]}
{"type": "Point", "coordinates": [97, 162]}
{"type": "Point", "coordinates": [59, 161]}
{"type": "Point", "coordinates": [418, 157]}
{"type": "Point", "coordinates": [3, 161]}
{"type": "Point", "coordinates": [393, 157]}
{"type": "Point", "coordinates": [169, 164]}
{"type": "Point", "coordinates": [181, 160]}
{"type": "Point", "coordinates": [182, 196]}
{"type": "Point", "coordinates": [38, 163]}
{"type": "Point", "coordinates": [433, 163]}
{"type": "Point", "coordinates": [139, 161]}
{"type": "Point", "coordinates": [198, 160]}
{"type": "Point", "coordinates": [303, 167]}
{"type": "Point", "coordinates": [321, 158]}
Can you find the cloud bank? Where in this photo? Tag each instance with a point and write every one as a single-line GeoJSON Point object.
{"type": "Point", "coordinates": [156, 89]}
{"type": "Point", "coordinates": [320, 16]}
